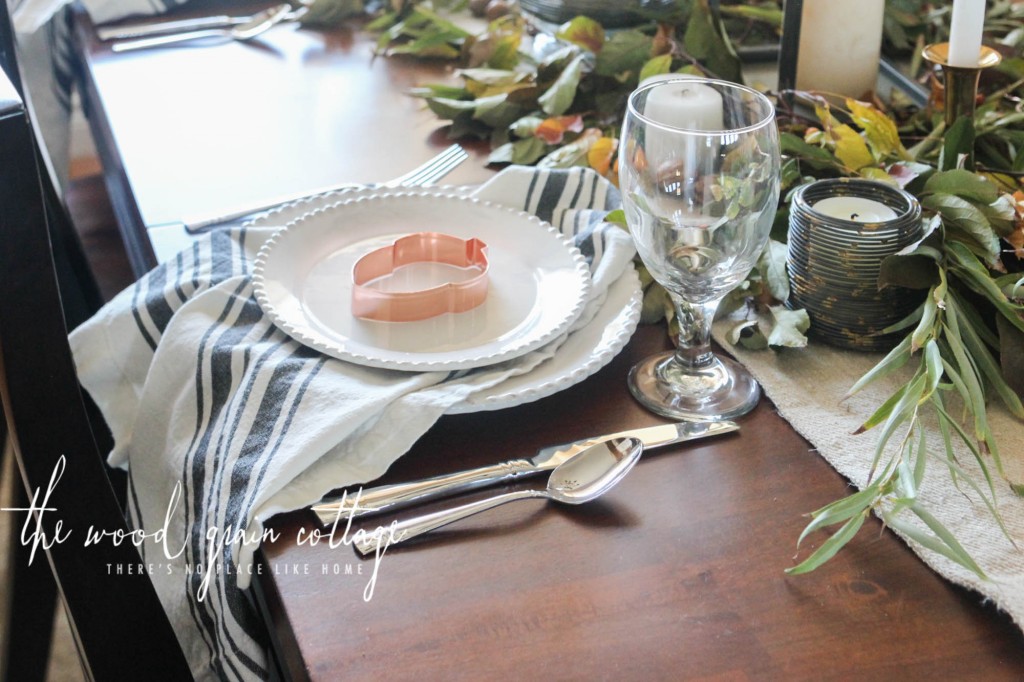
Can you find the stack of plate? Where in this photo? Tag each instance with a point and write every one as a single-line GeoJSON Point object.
{"type": "Point", "coordinates": [834, 264]}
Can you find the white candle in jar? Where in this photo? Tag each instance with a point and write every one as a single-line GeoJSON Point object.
{"type": "Point", "coordinates": [857, 209]}
{"type": "Point", "coordinates": [840, 44]}
{"type": "Point", "coordinates": [965, 28]}
{"type": "Point", "coordinates": [687, 104]}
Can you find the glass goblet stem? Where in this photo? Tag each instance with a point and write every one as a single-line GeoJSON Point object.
{"type": "Point", "coordinates": [693, 350]}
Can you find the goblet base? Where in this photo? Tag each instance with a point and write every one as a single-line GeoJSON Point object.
{"type": "Point", "coordinates": [722, 390]}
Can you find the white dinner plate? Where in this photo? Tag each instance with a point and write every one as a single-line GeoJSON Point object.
{"type": "Point", "coordinates": [585, 352]}
{"type": "Point", "coordinates": [538, 282]}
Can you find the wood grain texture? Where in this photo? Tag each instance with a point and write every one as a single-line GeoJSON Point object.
{"type": "Point", "coordinates": [676, 573]}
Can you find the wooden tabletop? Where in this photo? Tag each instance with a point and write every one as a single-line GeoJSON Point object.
{"type": "Point", "coordinates": [676, 573]}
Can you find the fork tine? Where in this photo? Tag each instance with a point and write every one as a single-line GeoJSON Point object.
{"type": "Point", "coordinates": [427, 173]}
{"type": "Point", "coordinates": [433, 169]}
{"type": "Point", "coordinates": [436, 173]}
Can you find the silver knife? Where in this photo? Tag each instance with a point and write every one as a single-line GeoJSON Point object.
{"type": "Point", "coordinates": [162, 27]}
{"type": "Point", "coordinates": [389, 497]}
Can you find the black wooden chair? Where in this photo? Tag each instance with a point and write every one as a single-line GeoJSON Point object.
{"type": "Point", "coordinates": [119, 626]}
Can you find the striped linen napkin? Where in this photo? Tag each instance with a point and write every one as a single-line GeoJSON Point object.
{"type": "Point", "coordinates": [201, 391]}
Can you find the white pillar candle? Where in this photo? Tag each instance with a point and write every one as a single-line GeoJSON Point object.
{"type": "Point", "coordinates": [688, 104]}
{"type": "Point", "coordinates": [679, 159]}
{"type": "Point", "coordinates": [840, 44]}
{"type": "Point", "coordinates": [965, 30]}
{"type": "Point", "coordinates": [857, 209]}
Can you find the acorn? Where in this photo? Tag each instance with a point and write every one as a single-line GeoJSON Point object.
{"type": "Point", "coordinates": [496, 9]}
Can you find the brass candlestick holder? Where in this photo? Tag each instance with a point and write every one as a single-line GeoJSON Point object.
{"type": "Point", "coordinates": [960, 83]}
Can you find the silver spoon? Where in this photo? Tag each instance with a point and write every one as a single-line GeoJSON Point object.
{"type": "Point", "coordinates": [587, 475]}
{"type": "Point", "coordinates": [259, 23]}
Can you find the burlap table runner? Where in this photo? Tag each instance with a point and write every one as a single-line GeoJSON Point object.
{"type": "Point", "coordinates": [807, 385]}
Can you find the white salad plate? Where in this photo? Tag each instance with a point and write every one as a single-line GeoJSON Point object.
{"type": "Point", "coordinates": [538, 282]}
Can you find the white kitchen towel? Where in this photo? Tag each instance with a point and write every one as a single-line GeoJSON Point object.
{"type": "Point", "coordinates": [201, 391]}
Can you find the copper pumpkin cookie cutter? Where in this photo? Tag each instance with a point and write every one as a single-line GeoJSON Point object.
{"type": "Point", "coordinates": [409, 306]}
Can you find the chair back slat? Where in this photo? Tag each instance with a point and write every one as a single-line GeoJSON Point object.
{"type": "Point", "coordinates": [116, 618]}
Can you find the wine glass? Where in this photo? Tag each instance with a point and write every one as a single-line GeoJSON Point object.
{"type": "Point", "coordinates": [699, 173]}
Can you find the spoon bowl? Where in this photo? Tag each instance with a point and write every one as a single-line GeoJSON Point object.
{"type": "Point", "coordinates": [581, 478]}
{"type": "Point", "coordinates": [592, 472]}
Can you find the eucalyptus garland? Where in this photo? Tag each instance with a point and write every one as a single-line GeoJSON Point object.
{"type": "Point", "coordinates": [556, 99]}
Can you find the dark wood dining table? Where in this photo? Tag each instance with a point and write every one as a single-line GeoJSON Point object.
{"type": "Point", "coordinates": [678, 573]}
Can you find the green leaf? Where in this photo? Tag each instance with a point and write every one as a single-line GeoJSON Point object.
{"type": "Point", "coordinates": [504, 51]}
{"type": "Point", "coordinates": [767, 15]}
{"type": "Point", "coordinates": [925, 330]}
{"type": "Point", "coordinates": [879, 174]}
{"type": "Point", "coordinates": [449, 109]}
{"type": "Point", "coordinates": [904, 410]}
{"type": "Point", "coordinates": [583, 31]}
{"type": "Point", "coordinates": [912, 272]}
{"type": "Point", "coordinates": [927, 541]}
{"type": "Point", "coordinates": [656, 302]}
{"type": "Point", "coordinates": [332, 13]}
{"type": "Point", "coordinates": [572, 154]}
{"type": "Point", "coordinates": [883, 137]}
{"type": "Point", "coordinates": [788, 327]}
{"type": "Point", "coordinates": [434, 45]}
{"type": "Point", "coordinates": [975, 397]}
{"type": "Point", "coordinates": [816, 157]}
{"type": "Point", "coordinates": [906, 322]}
{"type": "Point", "coordinates": [975, 276]}
{"type": "Point", "coordinates": [907, 485]}
{"type": "Point", "coordinates": [747, 334]}
{"type": "Point", "coordinates": [496, 112]}
{"type": "Point", "coordinates": [442, 91]}
{"type": "Point", "coordinates": [962, 214]}
{"type": "Point", "coordinates": [1001, 215]}
{"type": "Point", "coordinates": [933, 368]}
{"type": "Point", "coordinates": [557, 99]}
{"type": "Point", "coordinates": [962, 183]}
{"type": "Point", "coordinates": [656, 66]}
{"type": "Point", "coordinates": [624, 54]}
{"type": "Point", "coordinates": [959, 141]}
{"type": "Point", "coordinates": [958, 474]}
{"type": "Point", "coordinates": [895, 359]}
{"type": "Point", "coordinates": [772, 266]}
{"type": "Point", "coordinates": [840, 510]}
{"type": "Point", "coordinates": [883, 412]}
{"type": "Point", "coordinates": [382, 22]}
{"type": "Point", "coordinates": [526, 126]}
{"type": "Point", "coordinates": [942, 543]}
{"type": "Point", "coordinates": [528, 151]}
{"type": "Point", "coordinates": [987, 364]}
{"type": "Point", "coordinates": [502, 154]}
{"type": "Point", "coordinates": [830, 547]}
{"type": "Point", "coordinates": [922, 458]}
{"type": "Point", "coordinates": [618, 216]}
{"type": "Point", "coordinates": [851, 149]}
{"type": "Point", "coordinates": [706, 40]}
{"type": "Point", "coordinates": [964, 438]}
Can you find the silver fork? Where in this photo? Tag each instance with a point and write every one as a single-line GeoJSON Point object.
{"type": "Point", "coordinates": [427, 174]}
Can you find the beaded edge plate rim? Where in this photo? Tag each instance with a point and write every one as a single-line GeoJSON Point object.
{"type": "Point", "coordinates": [469, 360]}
